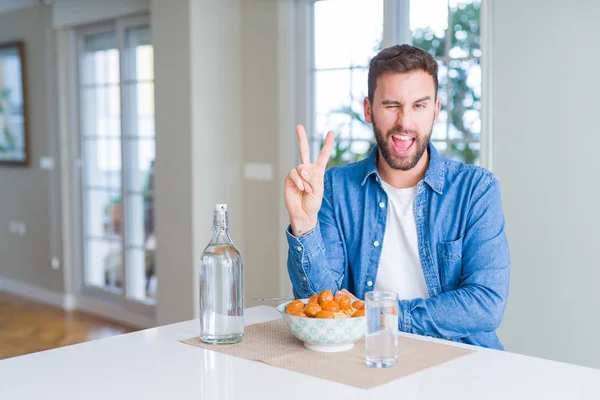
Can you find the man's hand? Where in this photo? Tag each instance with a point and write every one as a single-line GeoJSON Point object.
{"type": "Point", "coordinates": [303, 187]}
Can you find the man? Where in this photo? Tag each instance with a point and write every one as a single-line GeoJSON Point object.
{"type": "Point", "coordinates": [405, 219]}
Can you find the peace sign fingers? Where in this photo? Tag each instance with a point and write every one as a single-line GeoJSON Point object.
{"type": "Point", "coordinates": [326, 150]}
{"type": "Point", "coordinates": [303, 145]}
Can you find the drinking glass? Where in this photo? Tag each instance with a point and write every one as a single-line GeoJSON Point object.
{"type": "Point", "coordinates": [382, 329]}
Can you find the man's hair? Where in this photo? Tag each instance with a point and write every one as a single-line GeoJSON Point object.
{"type": "Point", "coordinates": [401, 58]}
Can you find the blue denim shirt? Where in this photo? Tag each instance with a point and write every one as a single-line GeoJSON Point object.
{"type": "Point", "coordinates": [462, 247]}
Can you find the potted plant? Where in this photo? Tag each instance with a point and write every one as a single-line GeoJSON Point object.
{"type": "Point", "coordinates": [112, 212]}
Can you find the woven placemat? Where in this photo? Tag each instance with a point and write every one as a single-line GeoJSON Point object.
{"type": "Point", "coordinates": [272, 343]}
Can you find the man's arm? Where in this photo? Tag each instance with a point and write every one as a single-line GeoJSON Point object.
{"type": "Point", "coordinates": [317, 259]}
{"type": "Point", "coordinates": [479, 302]}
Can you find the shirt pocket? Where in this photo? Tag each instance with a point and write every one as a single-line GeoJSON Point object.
{"type": "Point", "coordinates": [450, 263]}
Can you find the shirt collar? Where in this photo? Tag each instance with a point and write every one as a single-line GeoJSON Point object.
{"type": "Point", "coordinates": [434, 176]}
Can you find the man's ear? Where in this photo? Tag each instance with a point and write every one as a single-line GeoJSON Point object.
{"type": "Point", "coordinates": [437, 109]}
{"type": "Point", "coordinates": [367, 106]}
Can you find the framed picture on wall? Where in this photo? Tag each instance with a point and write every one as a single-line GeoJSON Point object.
{"type": "Point", "coordinates": [13, 105]}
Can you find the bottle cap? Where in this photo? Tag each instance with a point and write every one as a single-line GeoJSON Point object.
{"type": "Point", "coordinates": [220, 207]}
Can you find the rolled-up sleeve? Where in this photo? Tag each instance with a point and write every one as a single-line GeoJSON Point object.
{"type": "Point", "coordinates": [316, 260]}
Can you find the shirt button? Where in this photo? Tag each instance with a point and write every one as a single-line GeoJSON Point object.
{"type": "Point", "coordinates": [304, 278]}
{"type": "Point", "coordinates": [376, 243]}
{"type": "Point", "coordinates": [370, 283]}
{"type": "Point", "coordinates": [299, 248]}
{"type": "Point", "coordinates": [381, 205]}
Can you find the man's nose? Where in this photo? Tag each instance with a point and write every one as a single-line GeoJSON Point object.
{"type": "Point", "coordinates": [404, 119]}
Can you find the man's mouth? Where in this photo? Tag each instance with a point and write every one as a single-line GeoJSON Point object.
{"type": "Point", "coordinates": [402, 143]}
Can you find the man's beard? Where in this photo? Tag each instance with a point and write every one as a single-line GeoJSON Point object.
{"type": "Point", "coordinates": [396, 162]}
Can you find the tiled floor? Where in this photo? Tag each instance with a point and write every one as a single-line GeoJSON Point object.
{"type": "Point", "coordinates": [27, 327]}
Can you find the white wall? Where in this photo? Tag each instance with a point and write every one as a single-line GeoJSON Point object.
{"type": "Point", "coordinates": [261, 132]}
{"type": "Point", "coordinates": [546, 143]}
{"type": "Point", "coordinates": [217, 129]}
{"type": "Point", "coordinates": [197, 50]}
{"type": "Point", "coordinates": [217, 96]}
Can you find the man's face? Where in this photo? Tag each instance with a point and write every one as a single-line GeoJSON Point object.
{"type": "Point", "coordinates": [403, 112]}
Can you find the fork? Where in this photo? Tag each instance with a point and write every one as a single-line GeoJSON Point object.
{"type": "Point", "coordinates": [271, 298]}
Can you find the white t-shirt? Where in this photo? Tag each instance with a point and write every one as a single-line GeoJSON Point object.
{"type": "Point", "coordinates": [400, 268]}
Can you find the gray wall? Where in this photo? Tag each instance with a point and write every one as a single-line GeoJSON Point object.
{"type": "Point", "coordinates": [28, 194]}
{"type": "Point", "coordinates": [77, 12]}
{"type": "Point", "coordinates": [217, 130]}
{"type": "Point", "coordinates": [199, 133]}
{"type": "Point", "coordinates": [261, 140]}
{"type": "Point", "coordinates": [173, 168]}
{"type": "Point", "coordinates": [217, 108]}
{"type": "Point", "coordinates": [546, 140]}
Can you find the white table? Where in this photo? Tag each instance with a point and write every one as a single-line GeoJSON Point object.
{"type": "Point", "coordinates": [153, 364]}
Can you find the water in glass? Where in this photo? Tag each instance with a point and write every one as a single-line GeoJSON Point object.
{"type": "Point", "coordinates": [382, 329]}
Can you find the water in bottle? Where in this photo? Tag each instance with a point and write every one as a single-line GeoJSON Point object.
{"type": "Point", "coordinates": [221, 286]}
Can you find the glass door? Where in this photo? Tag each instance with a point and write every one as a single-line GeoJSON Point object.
{"type": "Point", "coordinates": [116, 149]}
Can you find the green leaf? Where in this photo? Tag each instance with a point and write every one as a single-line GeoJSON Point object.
{"type": "Point", "coordinates": [10, 139]}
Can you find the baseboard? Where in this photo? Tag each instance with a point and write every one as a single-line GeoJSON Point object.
{"type": "Point", "coordinates": [114, 313]}
{"type": "Point", "coordinates": [70, 302]}
{"type": "Point", "coordinates": [36, 293]}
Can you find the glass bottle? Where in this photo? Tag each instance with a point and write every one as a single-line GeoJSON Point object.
{"type": "Point", "coordinates": [221, 276]}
